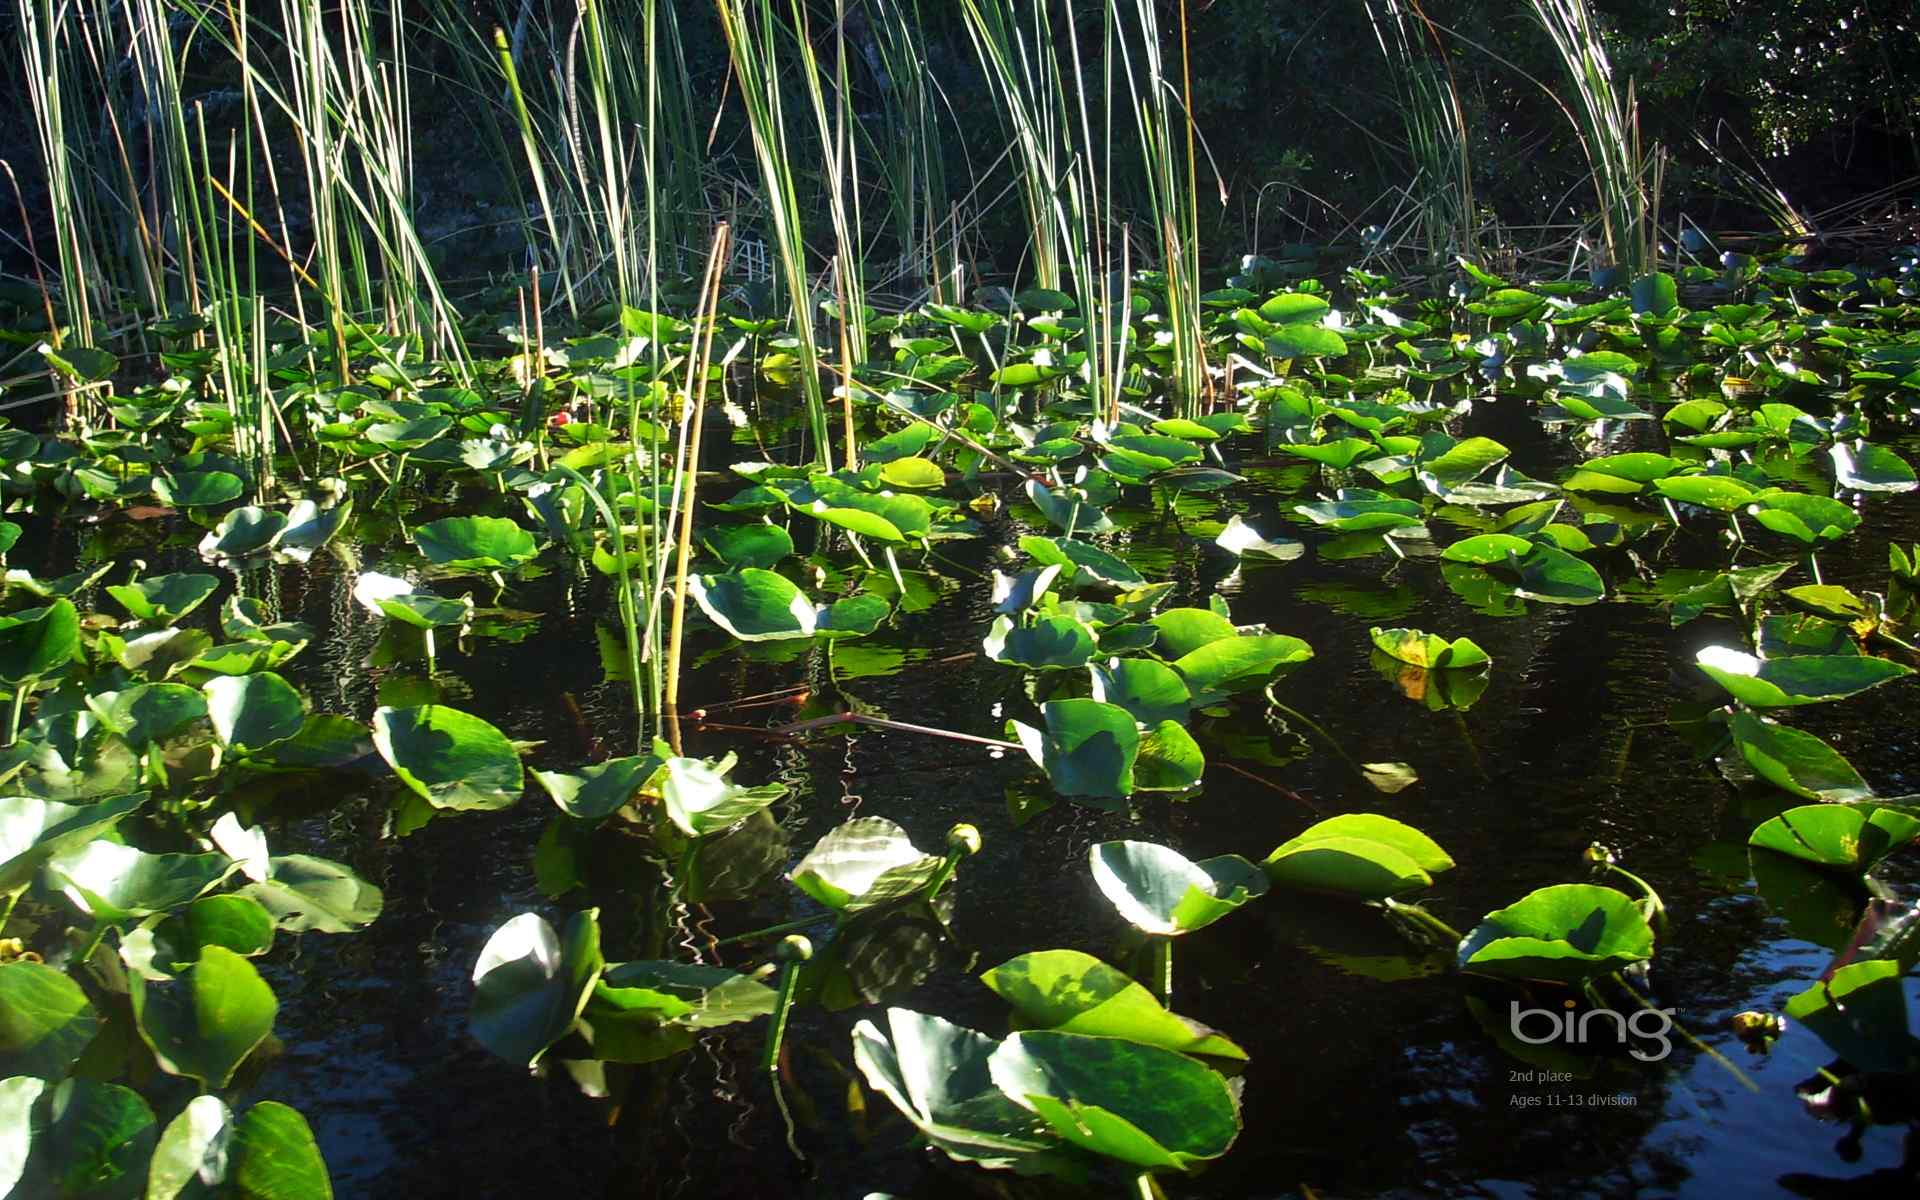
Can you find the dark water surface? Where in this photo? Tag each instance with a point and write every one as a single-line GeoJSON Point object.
{"type": "Point", "coordinates": [1356, 1086]}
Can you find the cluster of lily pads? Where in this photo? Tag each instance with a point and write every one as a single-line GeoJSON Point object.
{"type": "Point", "coordinates": [137, 898]}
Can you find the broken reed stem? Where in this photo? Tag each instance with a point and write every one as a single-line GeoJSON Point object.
{"type": "Point", "coordinates": [853, 718]}
{"type": "Point", "coordinates": [697, 367]}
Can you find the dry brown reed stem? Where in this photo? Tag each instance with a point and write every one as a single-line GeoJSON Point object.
{"type": "Point", "coordinates": [696, 392]}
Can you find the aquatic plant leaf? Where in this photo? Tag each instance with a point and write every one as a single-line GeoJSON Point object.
{"type": "Point", "coordinates": [851, 617]}
{"type": "Point", "coordinates": [1487, 549]}
{"type": "Point", "coordinates": [687, 994]}
{"type": "Point", "coordinates": [1300, 340]}
{"type": "Point", "coordinates": [936, 1074]}
{"type": "Point", "coordinates": [701, 800]}
{"type": "Point", "coordinates": [198, 489]}
{"type": "Point", "coordinates": [1160, 891]}
{"type": "Point", "coordinates": [762, 545]}
{"type": "Point", "coordinates": [1361, 855]}
{"type": "Point", "coordinates": [1239, 662]}
{"type": "Point", "coordinates": [1842, 837]}
{"type": "Point", "coordinates": [1169, 759]}
{"type": "Point", "coordinates": [1140, 1105]}
{"type": "Point", "coordinates": [1428, 650]}
{"type": "Point", "coordinates": [1802, 679]}
{"type": "Point", "coordinates": [245, 531]}
{"type": "Point", "coordinates": [164, 599]}
{"type": "Point", "coordinates": [1048, 644]}
{"type": "Point", "coordinates": [303, 893]}
{"type": "Point", "coordinates": [112, 883]}
{"type": "Point", "coordinates": [1243, 541]}
{"type": "Point", "coordinates": [1796, 761]}
{"type": "Point", "coordinates": [81, 1140]}
{"type": "Point", "coordinates": [1720, 493]}
{"type": "Point", "coordinates": [1077, 559]}
{"type": "Point", "coordinates": [308, 528]}
{"type": "Point", "coordinates": [1360, 510]}
{"type": "Point", "coordinates": [1290, 307]}
{"type": "Point", "coordinates": [598, 790]}
{"type": "Point", "coordinates": [46, 1021]}
{"type": "Point", "coordinates": [392, 597]}
{"type": "Point", "coordinates": [1568, 934]}
{"type": "Point", "coordinates": [1015, 594]}
{"type": "Point", "coordinates": [1151, 691]}
{"type": "Point", "coordinates": [449, 758]}
{"type": "Point", "coordinates": [1184, 630]}
{"type": "Point", "coordinates": [252, 712]}
{"type": "Point", "coordinates": [1860, 1012]}
{"type": "Point", "coordinates": [530, 984]}
{"type": "Point", "coordinates": [38, 641]}
{"type": "Point", "coordinates": [1867, 467]}
{"type": "Point", "coordinates": [913, 473]}
{"type": "Point", "coordinates": [474, 543]}
{"type": "Point", "coordinates": [33, 830]}
{"type": "Point", "coordinates": [147, 712]}
{"type": "Point", "coordinates": [1066, 511]}
{"type": "Point", "coordinates": [1340, 453]}
{"type": "Point", "coordinates": [1807, 519]}
{"type": "Point", "coordinates": [267, 1154]}
{"type": "Point", "coordinates": [1087, 749]}
{"type": "Point", "coordinates": [754, 605]}
{"type": "Point", "coordinates": [205, 1022]}
{"type": "Point", "coordinates": [1072, 992]}
{"type": "Point", "coordinates": [862, 863]}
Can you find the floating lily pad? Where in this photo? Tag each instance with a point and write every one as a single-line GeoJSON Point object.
{"type": "Point", "coordinates": [1087, 749]}
{"type": "Point", "coordinates": [449, 758]}
{"type": "Point", "coordinates": [863, 863]}
{"type": "Point", "coordinates": [474, 543]}
{"type": "Point", "coordinates": [173, 1017]}
{"type": "Point", "coordinates": [1567, 934]}
{"type": "Point", "coordinates": [530, 984]}
{"type": "Point", "coordinates": [1361, 855]}
{"type": "Point", "coordinates": [1073, 992]}
{"type": "Point", "coordinates": [1047, 644]}
{"type": "Point", "coordinates": [1428, 650]}
{"type": "Point", "coordinates": [701, 800]}
{"type": "Point", "coordinates": [1841, 837]}
{"type": "Point", "coordinates": [754, 605]}
{"type": "Point", "coordinates": [164, 599]}
{"type": "Point", "coordinates": [1802, 679]}
{"type": "Point", "coordinates": [1160, 891]}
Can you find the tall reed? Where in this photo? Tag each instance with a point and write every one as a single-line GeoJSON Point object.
{"type": "Point", "coordinates": [1607, 122]}
{"type": "Point", "coordinates": [1434, 119]}
{"type": "Point", "coordinates": [754, 46]}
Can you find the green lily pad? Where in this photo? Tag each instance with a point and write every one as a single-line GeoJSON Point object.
{"type": "Point", "coordinates": [244, 532]}
{"type": "Point", "coordinates": [46, 1021]}
{"type": "Point", "coordinates": [474, 543]}
{"type": "Point", "coordinates": [865, 862]}
{"type": "Point", "coordinates": [1151, 691]}
{"type": "Point", "coordinates": [1802, 679]}
{"type": "Point", "coordinates": [112, 883]}
{"type": "Point", "coordinates": [1860, 1012]}
{"type": "Point", "coordinates": [33, 830]}
{"type": "Point", "coordinates": [78, 1138]}
{"type": "Point", "coordinates": [147, 712]}
{"type": "Point", "coordinates": [205, 1022]}
{"type": "Point", "coordinates": [1236, 663]}
{"type": "Point", "coordinates": [754, 605]}
{"type": "Point", "coordinates": [1841, 837]}
{"type": "Point", "coordinates": [1145, 1107]}
{"type": "Point", "coordinates": [164, 599]}
{"type": "Point", "coordinates": [253, 712]}
{"type": "Point", "coordinates": [449, 758]}
{"type": "Point", "coordinates": [937, 1075]}
{"type": "Point", "coordinates": [1072, 992]}
{"type": "Point", "coordinates": [1159, 891]}
{"type": "Point", "coordinates": [1361, 855]}
{"type": "Point", "coordinates": [1087, 749]}
{"type": "Point", "coordinates": [1567, 934]}
{"type": "Point", "coordinates": [1243, 541]}
{"type": "Point", "coordinates": [762, 545]}
{"type": "Point", "coordinates": [268, 1152]}
{"type": "Point", "coordinates": [598, 790]}
{"type": "Point", "coordinates": [38, 641]}
{"type": "Point", "coordinates": [531, 984]}
{"type": "Point", "coordinates": [392, 597]}
{"type": "Point", "coordinates": [1428, 650]}
{"type": "Point", "coordinates": [303, 893]}
{"type": "Point", "coordinates": [1796, 761]}
{"type": "Point", "coordinates": [701, 800]}
{"type": "Point", "coordinates": [1048, 644]}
